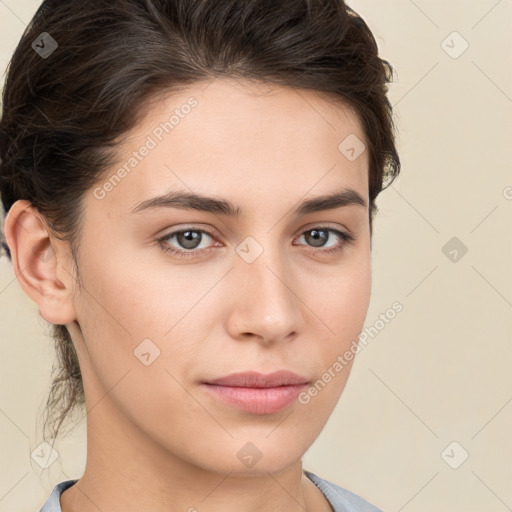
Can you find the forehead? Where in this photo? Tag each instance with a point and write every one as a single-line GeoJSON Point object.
{"type": "Point", "coordinates": [227, 136]}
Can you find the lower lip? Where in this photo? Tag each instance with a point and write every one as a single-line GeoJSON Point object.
{"type": "Point", "coordinates": [257, 400]}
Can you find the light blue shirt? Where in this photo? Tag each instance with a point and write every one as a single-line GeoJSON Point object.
{"type": "Point", "coordinates": [340, 499]}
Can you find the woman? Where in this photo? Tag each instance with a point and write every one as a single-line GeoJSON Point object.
{"type": "Point", "coordinates": [189, 189]}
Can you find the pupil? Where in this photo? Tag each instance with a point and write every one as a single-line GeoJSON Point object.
{"type": "Point", "coordinates": [190, 239]}
{"type": "Point", "coordinates": [317, 237]}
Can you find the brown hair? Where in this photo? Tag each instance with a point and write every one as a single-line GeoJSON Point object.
{"type": "Point", "coordinates": [63, 113]}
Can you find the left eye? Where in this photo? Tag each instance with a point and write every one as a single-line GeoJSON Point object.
{"type": "Point", "coordinates": [321, 234]}
{"type": "Point", "coordinates": [190, 239]}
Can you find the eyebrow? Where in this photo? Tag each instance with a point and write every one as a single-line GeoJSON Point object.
{"type": "Point", "coordinates": [191, 201]}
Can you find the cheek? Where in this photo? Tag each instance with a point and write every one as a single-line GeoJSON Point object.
{"type": "Point", "coordinates": [341, 312]}
{"type": "Point", "coordinates": [113, 313]}
{"type": "Point", "coordinates": [354, 299]}
{"type": "Point", "coordinates": [132, 310]}
{"type": "Point", "coordinates": [342, 302]}
{"type": "Point", "coordinates": [343, 309]}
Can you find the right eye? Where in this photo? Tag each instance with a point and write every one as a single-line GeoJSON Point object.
{"type": "Point", "coordinates": [188, 238]}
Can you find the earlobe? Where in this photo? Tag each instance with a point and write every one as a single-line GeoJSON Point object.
{"type": "Point", "coordinates": [37, 266]}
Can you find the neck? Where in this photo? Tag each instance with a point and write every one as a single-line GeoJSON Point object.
{"type": "Point", "coordinates": [128, 471]}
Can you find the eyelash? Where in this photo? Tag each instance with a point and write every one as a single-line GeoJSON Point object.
{"type": "Point", "coordinates": [347, 239]}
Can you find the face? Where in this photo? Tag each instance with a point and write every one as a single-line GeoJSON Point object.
{"type": "Point", "coordinates": [175, 296]}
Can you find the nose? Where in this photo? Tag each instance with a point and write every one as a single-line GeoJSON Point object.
{"type": "Point", "coordinates": [265, 301]}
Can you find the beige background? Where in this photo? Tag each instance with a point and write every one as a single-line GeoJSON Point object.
{"type": "Point", "coordinates": [439, 372]}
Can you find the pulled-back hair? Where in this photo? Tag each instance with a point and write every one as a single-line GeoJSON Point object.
{"type": "Point", "coordinates": [64, 112]}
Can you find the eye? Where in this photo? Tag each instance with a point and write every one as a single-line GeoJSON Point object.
{"type": "Point", "coordinates": [319, 235]}
{"type": "Point", "coordinates": [190, 240]}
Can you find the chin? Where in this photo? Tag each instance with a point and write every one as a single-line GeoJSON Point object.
{"type": "Point", "coordinates": [248, 459]}
{"type": "Point", "coordinates": [272, 460]}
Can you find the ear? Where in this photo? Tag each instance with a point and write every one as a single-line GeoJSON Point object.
{"type": "Point", "coordinates": [41, 263]}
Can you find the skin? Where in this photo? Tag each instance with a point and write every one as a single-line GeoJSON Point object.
{"type": "Point", "coordinates": [156, 440]}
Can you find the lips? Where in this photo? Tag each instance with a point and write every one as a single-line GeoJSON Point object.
{"type": "Point", "coordinates": [259, 380]}
{"type": "Point", "coordinates": [257, 393]}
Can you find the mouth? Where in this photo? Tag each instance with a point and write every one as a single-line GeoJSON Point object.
{"type": "Point", "coordinates": [257, 393]}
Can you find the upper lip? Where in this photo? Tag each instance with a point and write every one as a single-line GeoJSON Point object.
{"type": "Point", "coordinates": [260, 380]}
